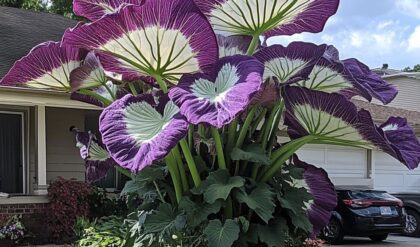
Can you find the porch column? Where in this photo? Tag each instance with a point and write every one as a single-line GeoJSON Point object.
{"type": "Point", "coordinates": [41, 149]}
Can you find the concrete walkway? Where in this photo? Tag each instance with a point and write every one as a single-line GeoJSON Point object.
{"type": "Point", "coordinates": [392, 241]}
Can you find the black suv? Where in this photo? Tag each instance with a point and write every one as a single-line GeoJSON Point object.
{"type": "Point", "coordinates": [364, 213]}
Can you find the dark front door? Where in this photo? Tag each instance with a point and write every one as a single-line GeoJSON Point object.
{"type": "Point", "coordinates": [11, 153]}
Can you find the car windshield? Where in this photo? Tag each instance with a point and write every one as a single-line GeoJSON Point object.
{"type": "Point", "coordinates": [370, 195]}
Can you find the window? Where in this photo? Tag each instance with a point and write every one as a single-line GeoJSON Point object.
{"type": "Point", "coordinates": [12, 168]}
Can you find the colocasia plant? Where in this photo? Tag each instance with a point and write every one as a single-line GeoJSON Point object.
{"type": "Point", "coordinates": [193, 103]}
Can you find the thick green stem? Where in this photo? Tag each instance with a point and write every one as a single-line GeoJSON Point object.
{"type": "Point", "coordinates": [132, 89]}
{"type": "Point", "coordinates": [113, 96]}
{"type": "Point", "coordinates": [229, 208]}
{"type": "Point", "coordinates": [191, 163]}
{"type": "Point", "coordinates": [173, 171]}
{"type": "Point", "coordinates": [191, 137]}
{"type": "Point", "coordinates": [269, 124]}
{"type": "Point", "coordinates": [273, 136]}
{"type": "Point", "coordinates": [253, 45]}
{"type": "Point", "coordinates": [219, 148]}
{"type": "Point", "coordinates": [245, 127]}
{"type": "Point", "coordinates": [255, 170]}
{"type": "Point", "coordinates": [283, 154]}
{"type": "Point", "coordinates": [181, 169]}
{"type": "Point", "coordinates": [231, 140]}
{"type": "Point", "coordinates": [123, 171]}
{"type": "Point", "coordinates": [161, 83]}
{"type": "Point", "coordinates": [258, 121]}
{"type": "Point", "coordinates": [101, 98]}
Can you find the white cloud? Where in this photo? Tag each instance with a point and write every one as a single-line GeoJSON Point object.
{"type": "Point", "coordinates": [410, 7]}
{"type": "Point", "coordinates": [356, 39]}
{"type": "Point", "coordinates": [375, 43]}
{"type": "Point", "coordinates": [414, 40]}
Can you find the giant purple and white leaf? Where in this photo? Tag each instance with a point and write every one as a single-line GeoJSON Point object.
{"type": "Point", "coordinates": [295, 61]}
{"type": "Point", "coordinates": [233, 45]}
{"type": "Point", "coordinates": [402, 142]}
{"type": "Point", "coordinates": [318, 184]}
{"type": "Point", "coordinates": [98, 162]}
{"type": "Point", "coordinates": [349, 77]}
{"type": "Point", "coordinates": [137, 131]}
{"type": "Point", "coordinates": [89, 75]}
{"type": "Point", "coordinates": [159, 39]}
{"type": "Point", "coordinates": [47, 66]}
{"type": "Point", "coordinates": [96, 9]}
{"type": "Point", "coordinates": [330, 118]}
{"type": "Point", "coordinates": [320, 114]}
{"type": "Point", "coordinates": [267, 17]}
{"type": "Point", "coordinates": [218, 97]}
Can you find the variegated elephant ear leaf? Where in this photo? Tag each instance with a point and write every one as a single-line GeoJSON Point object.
{"type": "Point", "coordinates": [268, 17]}
{"type": "Point", "coordinates": [47, 66]}
{"type": "Point", "coordinates": [138, 131]}
{"type": "Point", "coordinates": [332, 119]}
{"type": "Point", "coordinates": [160, 39]}
{"type": "Point", "coordinates": [96, 9]}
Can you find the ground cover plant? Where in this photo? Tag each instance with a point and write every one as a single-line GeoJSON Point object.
{"type": "Point", "coordinates": [194, 102]}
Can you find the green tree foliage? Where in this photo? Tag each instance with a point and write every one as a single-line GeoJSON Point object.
{"type": "Point", "coordinates": [416, 68]}
{"type": "Point", "coordinates": [61, 7]}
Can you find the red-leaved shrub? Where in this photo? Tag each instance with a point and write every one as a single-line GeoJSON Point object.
{"type": "Point", "coordinates": [69, 199]}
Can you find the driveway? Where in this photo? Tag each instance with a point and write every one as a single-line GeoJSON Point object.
{"type": "Point", "coordinates": [392, 241]}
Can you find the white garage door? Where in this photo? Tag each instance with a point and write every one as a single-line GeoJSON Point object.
{"type": "Point", "coordinates": [392, 176]}
{"type": "Point", "coordinates": [348, 165]}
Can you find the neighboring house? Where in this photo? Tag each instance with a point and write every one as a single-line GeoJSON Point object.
{"type": "Point", "coordinates": [373, 168]}
{"type": "Point", "coordinates": [36, 145]}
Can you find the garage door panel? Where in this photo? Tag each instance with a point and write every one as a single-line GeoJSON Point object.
{"type": "Point", "coordinates": [392, 176]}
{"type": "Point", "coordinates": [338, 161]}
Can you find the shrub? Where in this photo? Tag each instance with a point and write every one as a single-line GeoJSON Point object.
{"type": "Point", "coordinates": [68, 200]}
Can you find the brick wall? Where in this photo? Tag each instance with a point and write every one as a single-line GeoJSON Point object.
{"type": "Point", "coordinates": [32, 208]}
{"type": "Point", "coordinates": [33, 218]}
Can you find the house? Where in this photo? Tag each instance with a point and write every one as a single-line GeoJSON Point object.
{"type": "Point", "coordinates": [372, 168]}
{"type": "Point", "coordinates": [36, 145]}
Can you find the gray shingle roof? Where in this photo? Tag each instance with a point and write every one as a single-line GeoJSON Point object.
{"type": "Point", "coordinates": [20, 30]}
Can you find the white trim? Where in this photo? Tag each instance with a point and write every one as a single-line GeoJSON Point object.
{"type": "Point", "coordinates": [24, 200]}
{"type": "Point", "coordinates": [23, 144]}
{"type": "Point", "coordinates": [30, 97]}
{"type": "Point", "coordinates": [41, 148]}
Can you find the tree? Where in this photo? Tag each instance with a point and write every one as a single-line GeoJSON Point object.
{"type": "Point", "coordinates": [416, 68]}
{"type": "Point", "coordinates": [61, 7]}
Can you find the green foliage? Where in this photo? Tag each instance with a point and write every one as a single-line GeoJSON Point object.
{"type": "Point", "coordinates": [222, 235]}
{"type": "Point", "coordinates": [261, 200]}
{"type": "Point", "coordinates": [164, 220]}
{"type": "Point", "coordinates": [416, 68]}
{"type": "Point", "coordinates": [198, 213]}
{"type": "Point", "coordinates": [106, 232]}
{"type": "Point", "coordinates": [61, 7]}
{"type": "Point", "coordinates": [253, 153]}
{"type": "Point", "coordinates": [274, 234]}
{"type": "Point", "coordinates": [219, 184]}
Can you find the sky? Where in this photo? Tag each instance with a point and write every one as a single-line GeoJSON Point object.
{"type": "Point", "coordinates": [374, 31]}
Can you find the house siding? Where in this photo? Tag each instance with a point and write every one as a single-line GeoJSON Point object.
{"type": "Point", "coordinates": [63, 158]}
{"type": "Point", "coordinates": [408, 93]}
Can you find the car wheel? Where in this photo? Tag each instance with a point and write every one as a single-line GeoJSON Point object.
{"type": "Point", "coordinates": [378, 238]}
{"type": "Point", "coordinates": [412, 227]}
{"type": "Point", "coordinates": [333, 232]}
